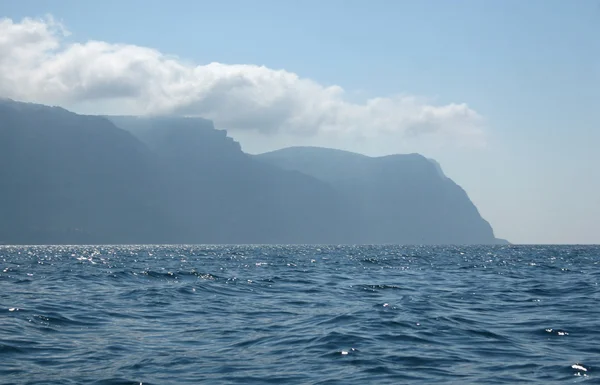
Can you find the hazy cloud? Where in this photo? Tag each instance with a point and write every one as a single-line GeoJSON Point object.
{"type": "Point", "coordinates": [39, 63]}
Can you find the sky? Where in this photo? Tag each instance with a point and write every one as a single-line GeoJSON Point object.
{"type": "Point", "coordinates": [505, 95]}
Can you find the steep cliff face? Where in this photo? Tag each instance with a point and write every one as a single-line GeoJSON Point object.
{"type": "Point", "coordinates": [68, 178]}
{"type": "Point", "coordinates": [222, 195]}
{"type": "Point", "coordinates": [395, 199]}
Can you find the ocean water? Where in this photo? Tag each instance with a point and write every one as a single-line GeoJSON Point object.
{"type": "Point", "coordinates": [299, 315]}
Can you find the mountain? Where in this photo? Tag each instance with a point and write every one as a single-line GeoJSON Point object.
{"type": "Point", "coordinates": [396, 199]}
{"type": "Point", "coordinates": [71, 179]}
{"type": "Point", "coordinates": [67, 178]}
{"type": "Point", "coordinates": [223, 195]}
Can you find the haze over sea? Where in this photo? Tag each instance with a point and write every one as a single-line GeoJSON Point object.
{"type": "Point", "coordinates": [299, 314]}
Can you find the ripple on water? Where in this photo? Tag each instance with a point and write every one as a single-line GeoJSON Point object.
{"type": "Point", "coordinates": [298, 314]}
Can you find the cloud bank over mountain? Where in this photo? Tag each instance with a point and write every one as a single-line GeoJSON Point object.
{"type": "Point", "coordinates": [41, 62]}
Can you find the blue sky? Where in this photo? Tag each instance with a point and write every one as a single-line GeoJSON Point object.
{"type": "Point", "coordinates": [531, 69]}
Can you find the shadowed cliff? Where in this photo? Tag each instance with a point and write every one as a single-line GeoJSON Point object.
{"type": "Point", "coordinates": [69, 178]}
{"type": "Point", "coordinates": [222, 195]}
{"type": "Point", "coordinates": [395, 199]}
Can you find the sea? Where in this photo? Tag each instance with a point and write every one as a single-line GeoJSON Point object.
{"type": "Point", "coordinates": [299, 315]}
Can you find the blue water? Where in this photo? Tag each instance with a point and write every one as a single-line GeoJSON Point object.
{"type": "Point", "coordinates": [299, 315]}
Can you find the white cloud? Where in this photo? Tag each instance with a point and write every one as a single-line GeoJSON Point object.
{"type": "Point", "coordinates": [38, 64]}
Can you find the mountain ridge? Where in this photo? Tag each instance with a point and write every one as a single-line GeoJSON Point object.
{"type": "Point", "coordinates": [354, 176]}
{"type": "Point", "coordinates": [70, 178]}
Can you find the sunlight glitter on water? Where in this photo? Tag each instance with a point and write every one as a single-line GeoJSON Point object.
{"type": "Point", "coordinates": [236, 314]}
